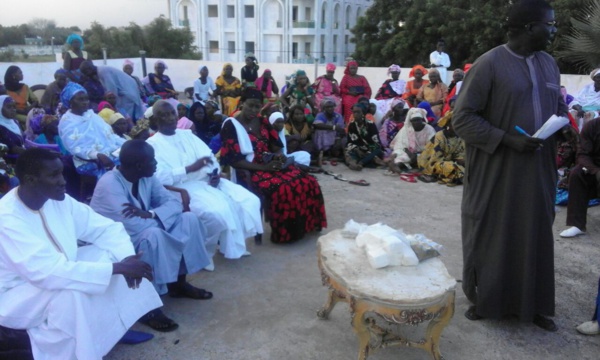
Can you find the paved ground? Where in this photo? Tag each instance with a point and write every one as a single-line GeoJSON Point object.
{"type": "Point", "coordinates": [265, 305]}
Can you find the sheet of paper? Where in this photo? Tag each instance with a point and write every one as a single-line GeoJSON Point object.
{"type": "Point", "coordinates": [551, 126]}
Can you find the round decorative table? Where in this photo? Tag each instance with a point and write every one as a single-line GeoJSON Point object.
{"type": "Point", "coordinates": [394, 306]}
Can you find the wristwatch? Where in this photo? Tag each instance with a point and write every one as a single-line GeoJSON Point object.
{"type": "Point", "coordinates": [153, 214]}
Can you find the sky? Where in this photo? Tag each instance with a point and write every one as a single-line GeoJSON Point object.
{"type": "Point", "coordinates": [82, 13]}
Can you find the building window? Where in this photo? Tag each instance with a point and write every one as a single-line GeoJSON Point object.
{"type": "Point", "coordinates": [294, 50]}
{"type": "Point", "coordinates": [213, 11]}
{"type": "Point", "coordinates": [213, 47]}
{"type": "Point", "coordinates": [308, 14]}
{"type": "Point", "coordinates": [249, 47]}
{"type": "Point", "coordinates": [307, 49]}
{"type": "Point", "coordinates": [231, 47]}
{"type": "Point", "coordinates": [249, 11]}
{"type": "Point", "coordinates": [295, 13]}
{"type": "Point", "coordinates": [230, 11]}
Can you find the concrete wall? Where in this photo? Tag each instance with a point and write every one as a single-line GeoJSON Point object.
{"type": "Point", "coordinates": [184, 72]}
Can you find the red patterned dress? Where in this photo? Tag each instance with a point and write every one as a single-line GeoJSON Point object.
{"type": "Point", "coordinates": [296, 205]}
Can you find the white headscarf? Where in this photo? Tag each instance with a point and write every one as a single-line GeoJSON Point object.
{"type": "Point", "coordinates": [594, 73]}
{"type": "Point", "coordinates": [274, 117]}
{"type": "Point", "coordinates": [10, 124]}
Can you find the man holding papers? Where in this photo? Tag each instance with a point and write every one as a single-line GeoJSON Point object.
{"type": "Point", "coordinates": [510, 178]}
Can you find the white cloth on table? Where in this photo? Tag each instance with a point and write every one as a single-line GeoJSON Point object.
{"type": "Point", "coordinates": [163, 240]}
{"type": "Point", "coordinates": [229, 212]}
{"type": "Point", "coordinates": [87, 135]}
{"type": "Point", "coordinates": [66, 298]}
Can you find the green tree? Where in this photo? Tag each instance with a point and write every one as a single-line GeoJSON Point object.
{"type": "Point", "coordinates": [581, 46]}
{"type": "Point", "coordinates": [406, 31]}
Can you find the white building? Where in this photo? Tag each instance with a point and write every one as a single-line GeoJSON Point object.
{"type": "Point", "coordinates": [289, 31]}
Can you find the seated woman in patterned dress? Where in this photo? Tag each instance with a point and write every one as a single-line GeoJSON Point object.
{"type": "Point", "coordinates": [363, 148]}
{"type": "Point", "coordinates": [295, 202]}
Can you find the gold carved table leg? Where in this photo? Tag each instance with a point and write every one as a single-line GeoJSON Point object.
{"type": "Point", "coordinates": [333, 298]}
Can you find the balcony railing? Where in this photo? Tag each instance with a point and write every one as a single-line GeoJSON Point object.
{"type": "Point", "coordinates": [336, 25]}
{"type": "Point", "coordinates": [304, 24]}
{"type": "Point", "coordinates": [185, 23]}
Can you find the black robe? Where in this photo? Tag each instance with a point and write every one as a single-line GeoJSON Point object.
{"type": "Point", "coordinates": [508, 200]}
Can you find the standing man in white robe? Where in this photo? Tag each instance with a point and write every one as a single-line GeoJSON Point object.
{"type": "Point", "coordinates": [230, 212]}
{"type": "Point", "coordinates": [440, 60]}
{"type": "Point", "coordinates": [72, 301]}
{"type": "Point", "coordinates": [171, 241]}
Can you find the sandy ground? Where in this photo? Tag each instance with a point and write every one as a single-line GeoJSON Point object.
{"type": "Point", "coordinates": [265, 305]}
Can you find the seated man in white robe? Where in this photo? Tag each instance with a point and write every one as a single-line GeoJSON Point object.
{"type": "Point", "coordinates": [230, 212]}
{"type": "Point", "coordinates": [169, 240]}
{"type": "Point", "coordinates": [75, 303]}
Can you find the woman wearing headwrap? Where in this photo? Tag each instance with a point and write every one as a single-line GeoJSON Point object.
{"type": "Point", "coordinates": [330, 129]}
{"type": "Point", "coordinates": [229, 88]}
{"type": "Point", "coordinates": [295, 204]}
{"type": "Point", "coordinates": [128, 69]}
{"type": "Point", "coordinates": [326, 86]}
{"type": "Point", "coordinates": [161, 83]}
{"type": "Point", "coordinates": [301, 158]}
{"type": "Point", "coordinates": [363, 148]}
{"type": "Point", "coordinates": [48, 135]}
{"type": "Point", "coordinates": [10, 132]}
{"type": "Point", "coordinates": [298, 132]}
{"type": "Point", "coordinates": [434, 93]}
{"type": "Point", "coordinates": [392, 124]}
{"type": "Point", "coordinates": [141, 130]}
{"type": "Point", "coordinates": [431, 118]}
{"type": "Point", "coordinates": [414, 86]}
{"type": "Point", "coordinates": [73, 58]}
{"type": "Point", "coordinates": [20, 93]}
{"type": "Point", "coordinates": [410, 141]}
{"type": "Point", "coordinates": [391, 89]}
{"type": "Point", "coordinates": [299, 93]}
{"type": "Point", "coordinates": [249, 72]}
{"type": "Point", "coordinates": [457, 77]}
{"type": "Point", "coordinates": [204, 86]}
{"type": "Point", "coordinates": [586, 105]}
{"type": "Point", "coordinates": [32, 124]}
{"type": "Point", "coordinates": [353, 87]}
{"type": "Point", "coordinates": [109, 102]}
{"type": "Point", "coordinates": [51, 97]}
{"type": "Point", "coordinates": [119, 125]}
{"type": "Point", "coordinates": [86, 135]}
{"type": "Point", "coordinates": [443, 158]}
{"type": "Point", "coordinates": [267, 85]}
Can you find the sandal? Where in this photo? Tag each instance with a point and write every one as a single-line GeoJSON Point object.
{"type": "Point", "coordinates": [408, 178]}
{"type": "Point", "coordinates": [158, 321]}
{"type": "Point", "coordinates": [426, 178]}
{"type": "Point", "coordinates": [190, 292]}
{"type": "Point", "coordinates": [359, 182]}
{"type": "Point", "coordinates": [133, 337]}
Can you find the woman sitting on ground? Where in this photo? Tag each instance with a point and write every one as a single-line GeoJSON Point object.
{"type": "Point", "coordinates": [298, 133]}
{"type": "Point", "coordinates": [24, 98]}
{"type": "Point", "coordinates": [295, 203]}
{"type": "Point", "coordinates": [414, 86]}
{"type": "Point", "coordinates": [434, 93]}
{"type": "Point", "coordinates": [326, 86]}
{"type": "Point", "coordinates": [160, 83]}
{"type": "Point", "coordinates": [10, 132]}
{"type": "Point", "coordinates": [410, 141]}
{"type": "Point", "coordinates": [229, 88]}
{"type": "Point", "coordinates": [363, 148]}
{"type": "Point", "coordinates": [204, 86]}
{"type": "Point", "coordinates": [330, 130]}
{"type": "Point", "coordinates": [299, 93]}
{"type": "Point", "coordinates": [267, 85]}
{"type": "Point", "coordinates": [391, 89]}
{"type": "Point", "coordinates": [49, 133]}
{"type": "Point", "coordinates": [430, 115]}
{"type": "Point", "coordinates": [85, 135]}
{"type": "Point", "coordinates": [392, 124]}
{"type": "Point", "coordinates": [184, 122]}
{"type": "Point", "coordinates": [301, 158]}
{"type": "Point", "coordinates": [444, 156]}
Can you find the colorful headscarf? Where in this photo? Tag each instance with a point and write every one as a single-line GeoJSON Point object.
{"type": "Point", "coordinates": [161, 62]}
{"type": "Point", "coordinates": [467, 67]}
{"type": "Point", "coordinates": [74, 37]}
{"type": "Point", "coordinates": [327, 101]}
{"type": "Point", "coordinates": [396, 102]}
{"type": "Point", "coordinates": [34, 119]}
{"type": "Point", "coordinates": [224, 66]}
{"type": "Point", "coordinates": [594, 73]}
{"type": "Point", "coordinates": [394, 68]}
{"type": "Point", "coordinates": [61, 72]}
{"type": "Point", "coordinates": [106, 113]}
{"type": "Point", "coordinates": [69, 91]}
{"type": "Point", "coordinates": [417, 67]}
{"type": "Point", "coordinates": [153, 99]}
{"type": "Point", "coordinates": [350, 63]}
{"type": "Point", "coordinates": [300, 73]}
{"type": "Point", "coordinates": [425, 106]}
{"type": "Point", "coordinates": [128, 62]}
{"type": "Point", "coordinates": [114, 118]}
{"type": "Point", "coordinates": [140, 126]}
{"type": "Point", "coordinates": [330, 67]}
{"type": "Point", "coordinates": [212, 103]}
